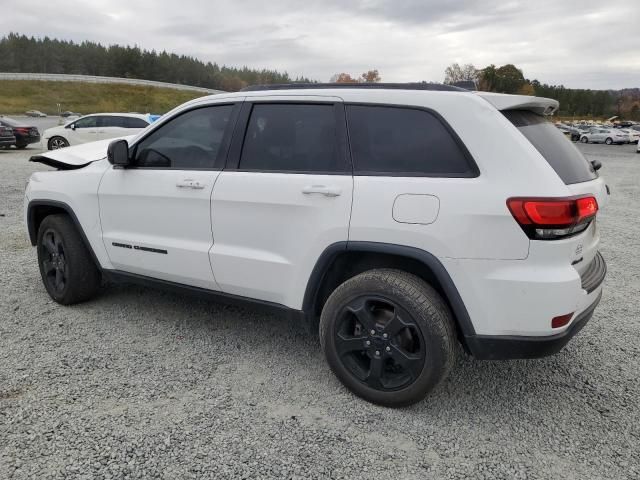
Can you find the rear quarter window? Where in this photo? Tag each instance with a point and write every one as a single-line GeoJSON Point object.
{"type": "Point", "coordinates": [404, 142]}
{"type": "Point", "coordinates": [567, 161]}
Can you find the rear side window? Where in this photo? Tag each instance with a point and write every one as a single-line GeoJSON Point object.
{"type": "Point", "coordinates": [562, 155]}
{"type": "Point", "coordinates": [133, 122]}
{"type": "Point", "coordinates": [404, 141]}
{"type": "Point", "coordinates": [292, 138]}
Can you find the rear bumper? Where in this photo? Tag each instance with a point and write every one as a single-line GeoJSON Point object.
{"type": "Point", "coordinates": [7, 141]}
{"type": "Point", "coordinates": [486, 347]}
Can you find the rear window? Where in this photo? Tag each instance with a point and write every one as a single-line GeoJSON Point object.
{"type": "Point", "coordinates": [562, 155]}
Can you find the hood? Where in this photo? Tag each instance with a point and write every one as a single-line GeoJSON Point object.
{"type": "Point", "coordinates": [79, 156]}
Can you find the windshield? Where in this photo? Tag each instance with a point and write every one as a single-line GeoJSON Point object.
{"type": "Point", "coordinates": [562, 155]}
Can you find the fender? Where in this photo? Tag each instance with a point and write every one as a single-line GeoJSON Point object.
{"type": "Point", "coordinates": [33, 233]}
{"type": "Point", "coordinates": [422, 256]}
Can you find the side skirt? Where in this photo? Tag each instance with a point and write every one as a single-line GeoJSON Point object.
{"type": "Point", "coordinates": [120, 277]}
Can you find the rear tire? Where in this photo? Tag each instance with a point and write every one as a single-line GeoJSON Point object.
{"type": "Point", "coordinates": [388, 336]}
{"type": "Point", "coordinates": [21, 147]}
{"type": "Point", "coordinates": [68, 272]}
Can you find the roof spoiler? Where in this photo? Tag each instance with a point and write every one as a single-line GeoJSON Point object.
{"type": "Point", "coordinates": [503, 101]}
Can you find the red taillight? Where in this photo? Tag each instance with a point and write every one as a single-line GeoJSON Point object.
{"type": "Point", "coordinates": [551, 218]}
{"type": "Point", "coordinates": [561, 321]}
{"type": "Point", "coordinates": [20, 129]}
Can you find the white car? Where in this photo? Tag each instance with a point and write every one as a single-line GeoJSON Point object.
{"type": "Point", "coordinates": [90, 128]}
{"type": "Point", "coordinates": [390, 215]}
{"type": "Point", "coordinates": [604, 135]}
{"type": "Point", "coordinates": [632, 135]}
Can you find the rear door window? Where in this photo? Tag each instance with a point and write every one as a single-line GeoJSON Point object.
{"type": "Point", "coordinates": [567, 161]}
{"type": "Point", "coordinates": [404, 142]}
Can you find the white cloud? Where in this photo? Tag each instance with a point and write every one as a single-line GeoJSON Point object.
{"type": "Point", "coordinates": [579, 43]}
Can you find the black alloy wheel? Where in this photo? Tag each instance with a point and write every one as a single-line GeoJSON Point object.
{"type": "Point", "coordinates": [379, 343]}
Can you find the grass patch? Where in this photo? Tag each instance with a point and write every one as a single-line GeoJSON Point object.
{"type": "Point", "coordinates": [18, 96]}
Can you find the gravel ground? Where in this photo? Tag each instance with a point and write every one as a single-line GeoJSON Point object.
{"type": "Point", "coordinates": [145, 384]}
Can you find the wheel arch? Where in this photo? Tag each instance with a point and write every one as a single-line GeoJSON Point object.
{"type": "Point", "coordinates": [344, 260]}
{"type": "Point", "coordinates": [38, 210]}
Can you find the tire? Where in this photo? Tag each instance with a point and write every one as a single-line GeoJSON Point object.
{"type": "Point", "coordinates": [21, 147]}
{"type": "Point", "coordinates": [419, 330]}
{"type": "Point", "coordinates": [608, 141]}
{"type": "Point", "coordinates": [68, 272]}
{"type": "Point", "coordinates": [584, 140]}
{"type": "Point", "coordinates": [55, 143]}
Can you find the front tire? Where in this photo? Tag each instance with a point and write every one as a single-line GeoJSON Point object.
{"type": "Point", "coordinates": [55, 143]}
{"type": "Point", "coordinates": [68, 272]}
{"type": "Point", "coordinates": [584, 140]}
{"type": "Point", "coordinates": [388, 336]}
{"type": "Point", "coordinates": [608, 141]}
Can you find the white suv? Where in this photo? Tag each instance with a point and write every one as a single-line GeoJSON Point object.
{"type": "Point", "coordinates": [406, 218]}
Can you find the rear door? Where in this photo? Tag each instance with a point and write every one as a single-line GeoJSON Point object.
{"type": "Point", "coordinates": [284, 197]}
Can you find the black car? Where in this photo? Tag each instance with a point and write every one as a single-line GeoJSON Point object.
{"type": "Point", "coordinates": [7, 138]}
{"type": "Point", "coordinates": [25, 134]}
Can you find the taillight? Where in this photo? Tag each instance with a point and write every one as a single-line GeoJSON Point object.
{"type": "Point", "coordinates": [553, 218]}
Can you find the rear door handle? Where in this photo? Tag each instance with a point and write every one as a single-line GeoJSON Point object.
{"type": "Point", "coordinates": [189, 183]}
{"type": "Point", "coordinates": [322, 190]}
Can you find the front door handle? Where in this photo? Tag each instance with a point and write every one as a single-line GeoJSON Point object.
{"type": "Point", "coordinates": [190, 183]}
{"type": "Point", "coordinates": [322, 190]}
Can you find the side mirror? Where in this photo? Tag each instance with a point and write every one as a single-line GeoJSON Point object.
{"type": "Point", "coordinates": [118, 153]}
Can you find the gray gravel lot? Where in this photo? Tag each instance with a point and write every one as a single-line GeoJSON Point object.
{"type": "Point", "coordinates": [145, 384]}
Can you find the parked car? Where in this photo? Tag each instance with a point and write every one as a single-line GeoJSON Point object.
{"type": "Point", "coordinates": [25, 134]}
{"type": "Point", "coordinates": [350, 206]}
{"type": "Point", "coordinates": [69, 114]}
{"type": "Point", "coordinates": [604, 135]}
{"type": "Point", "coordinates": [99, 126]}
{"type": "Point", "coordinates": [632, 135]}
{"type": "Point", "coordinates": [7, 138]}
{"type": "Point", "coordinates": [35, 113]}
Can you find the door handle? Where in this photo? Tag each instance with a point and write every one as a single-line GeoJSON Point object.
{"type": "Point", "coordinates": [322, 190]}
{"type": "Point", "coordinates": [189, 183]}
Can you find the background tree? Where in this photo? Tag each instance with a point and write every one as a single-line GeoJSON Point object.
{"type": "Point", "coordinates": [457, 73]}
{"type": "Point", "coordinates": [343, 78]}
{"type": "Point", "coordinates": [371, 76]}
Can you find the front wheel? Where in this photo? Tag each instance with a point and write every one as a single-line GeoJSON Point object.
{"type": "Point", "coordinates": [68, 272]}
{"type": "Point", "coordinates": [388, 336]}
{"type": "Point", "coordinates": [608, 141]}
{"type": "Point", "coordinates": [584, 140]}
{"type": "Point", "coordinates": [57, 142]}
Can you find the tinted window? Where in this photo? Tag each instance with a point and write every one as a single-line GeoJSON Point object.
{"type": "Point", "coordinates": [296, 138]}
{"type": "Point", "coordinates": [133, 122]}
{"type": "Point", "coordinates": [87, 122]}
{"type": "Point", "coordinates": [191, 140]}
{"type": "Point", "coordinates": [403, 141]}
{"type": "Point", "coordinates": [562, 155]}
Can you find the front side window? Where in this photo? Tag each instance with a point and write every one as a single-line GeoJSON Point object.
{"type": "Point", "coordinates": [189, 141]}
{"type": "Point", "coordinates": [292, 138]}
{"type": "Point", "coordinates": [403, 141]}
{"type": "Point", "coordinates": [133, 122]}
{"type": "Point", "coordinates": [87, 122]}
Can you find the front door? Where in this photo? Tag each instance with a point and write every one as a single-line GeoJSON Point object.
{"type": "Point", "coordinates": [155, 215]}
{"type": "Point", "coordinates": [285, 198]}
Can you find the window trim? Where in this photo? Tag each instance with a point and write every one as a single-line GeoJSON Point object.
{"type": "Point", "coordinates": [237, 143]}
{"type": "Point", "coordinates": [474, 171]}
{"type": "Point", "coordinates": [219, 161]}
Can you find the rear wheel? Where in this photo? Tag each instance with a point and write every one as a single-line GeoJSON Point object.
{"type": "Point", "coordinates": [56, 143]}
{"type": "Point", "coordinates": [388, 336]}
{"type": "Point", "coordinates": [22, 146]}
{"type": "Point", "coordinates": [66, 267]}
{"type": "Point", "coordinates": [608, 141]}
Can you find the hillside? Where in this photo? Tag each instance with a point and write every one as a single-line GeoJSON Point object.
{"type": "Point", "coordinates": [18, 96]}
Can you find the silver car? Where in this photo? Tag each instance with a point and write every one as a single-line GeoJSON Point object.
{"type": "Point", "coordinates": [604, 135]}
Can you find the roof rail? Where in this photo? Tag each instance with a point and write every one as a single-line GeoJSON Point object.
{"type": "Point", "coordinates": [393, 86]}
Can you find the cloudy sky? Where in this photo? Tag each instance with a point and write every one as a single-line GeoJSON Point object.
{"type": "Point", "coordinates": [578, 43]}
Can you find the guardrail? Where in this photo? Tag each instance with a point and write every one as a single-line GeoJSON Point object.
{"type": "Point", "coordinates": [55, 77]}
